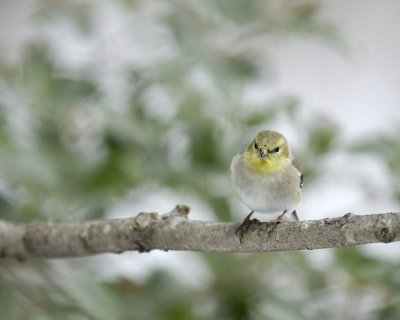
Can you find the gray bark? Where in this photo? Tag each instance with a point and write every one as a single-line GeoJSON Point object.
{"type": "Point", "coordinates": [174, 231]}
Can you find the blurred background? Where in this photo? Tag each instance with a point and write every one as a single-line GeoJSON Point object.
{"type": "Point", "coordinates": [109, 108]}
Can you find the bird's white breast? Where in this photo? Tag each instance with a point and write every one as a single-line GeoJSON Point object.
{"type": "Point", "coordinates": [267, 193]}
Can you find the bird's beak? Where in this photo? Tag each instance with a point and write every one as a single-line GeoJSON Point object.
{"type": "Point", "coordinates": [263, 153]}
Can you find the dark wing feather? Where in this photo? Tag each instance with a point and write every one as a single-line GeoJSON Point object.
{"type": "Point", "coordinates": [296, 164]}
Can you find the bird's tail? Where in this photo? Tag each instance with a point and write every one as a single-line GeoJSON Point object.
{"type": "Point", "coordinates": [294, 215]}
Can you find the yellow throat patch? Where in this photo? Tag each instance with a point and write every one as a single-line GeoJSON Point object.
{"type": "Point", "coordinates": [262, 167]}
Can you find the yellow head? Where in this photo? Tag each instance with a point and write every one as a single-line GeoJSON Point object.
{"type": "Point", "coordinates": [267, 153]}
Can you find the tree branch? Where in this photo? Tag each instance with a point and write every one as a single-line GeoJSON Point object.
{"type": "Point", "coordinates": [174, 231]}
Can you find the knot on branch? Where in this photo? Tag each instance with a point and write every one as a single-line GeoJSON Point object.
{"type": "Point", "coordinates": [147, 224]}
{"type": "Point", "coordinates": [146, 219]}
{"type": "Point", "coordinates": [385, 235]}
{"type": "Point", "coordinates": [384, 231]}
{"type": "Point", "coordinates": [181, 210]}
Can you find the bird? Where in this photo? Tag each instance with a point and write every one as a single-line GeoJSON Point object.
{"type": "Point", "coordinates": [267, 179]}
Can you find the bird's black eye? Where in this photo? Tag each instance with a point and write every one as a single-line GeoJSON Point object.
{"type": "Point", "coordinates": [255, 146]}
{"type": "Point", "coordinates": [276, 149]}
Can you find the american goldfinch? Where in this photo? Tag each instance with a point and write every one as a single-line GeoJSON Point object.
{"type": "Point", "coordinates": [267, 178]}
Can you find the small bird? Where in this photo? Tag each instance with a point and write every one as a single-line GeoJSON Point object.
{"type": "Point", "coordinates": [267, 178]}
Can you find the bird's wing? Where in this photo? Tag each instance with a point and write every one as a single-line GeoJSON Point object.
{"type": "Point", "coordinates": [296, 164]}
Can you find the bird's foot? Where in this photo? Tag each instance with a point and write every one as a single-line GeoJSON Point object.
{"type": "Point", "coordinates": [275, 223]}
{"type": "Point", "coordinates": [247, 222]}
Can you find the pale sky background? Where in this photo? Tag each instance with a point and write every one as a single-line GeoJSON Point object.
{"type": "Point", "coordinates": [360, 89]}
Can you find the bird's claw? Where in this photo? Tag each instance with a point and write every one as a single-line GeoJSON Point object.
{"type": "Point", "coordinates": [247, 222]}
{"type": "Point", "coordinates": [274, 225]}
{"type": "Point", "coordinates": [241, 230]}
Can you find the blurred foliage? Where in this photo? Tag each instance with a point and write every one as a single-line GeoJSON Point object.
{"type": "Point", "coordinates": [387, 148]}
{"type": "Point", "coordinates": [247, 286]}
{"type": "Point", "coordinates": [105, 98]}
